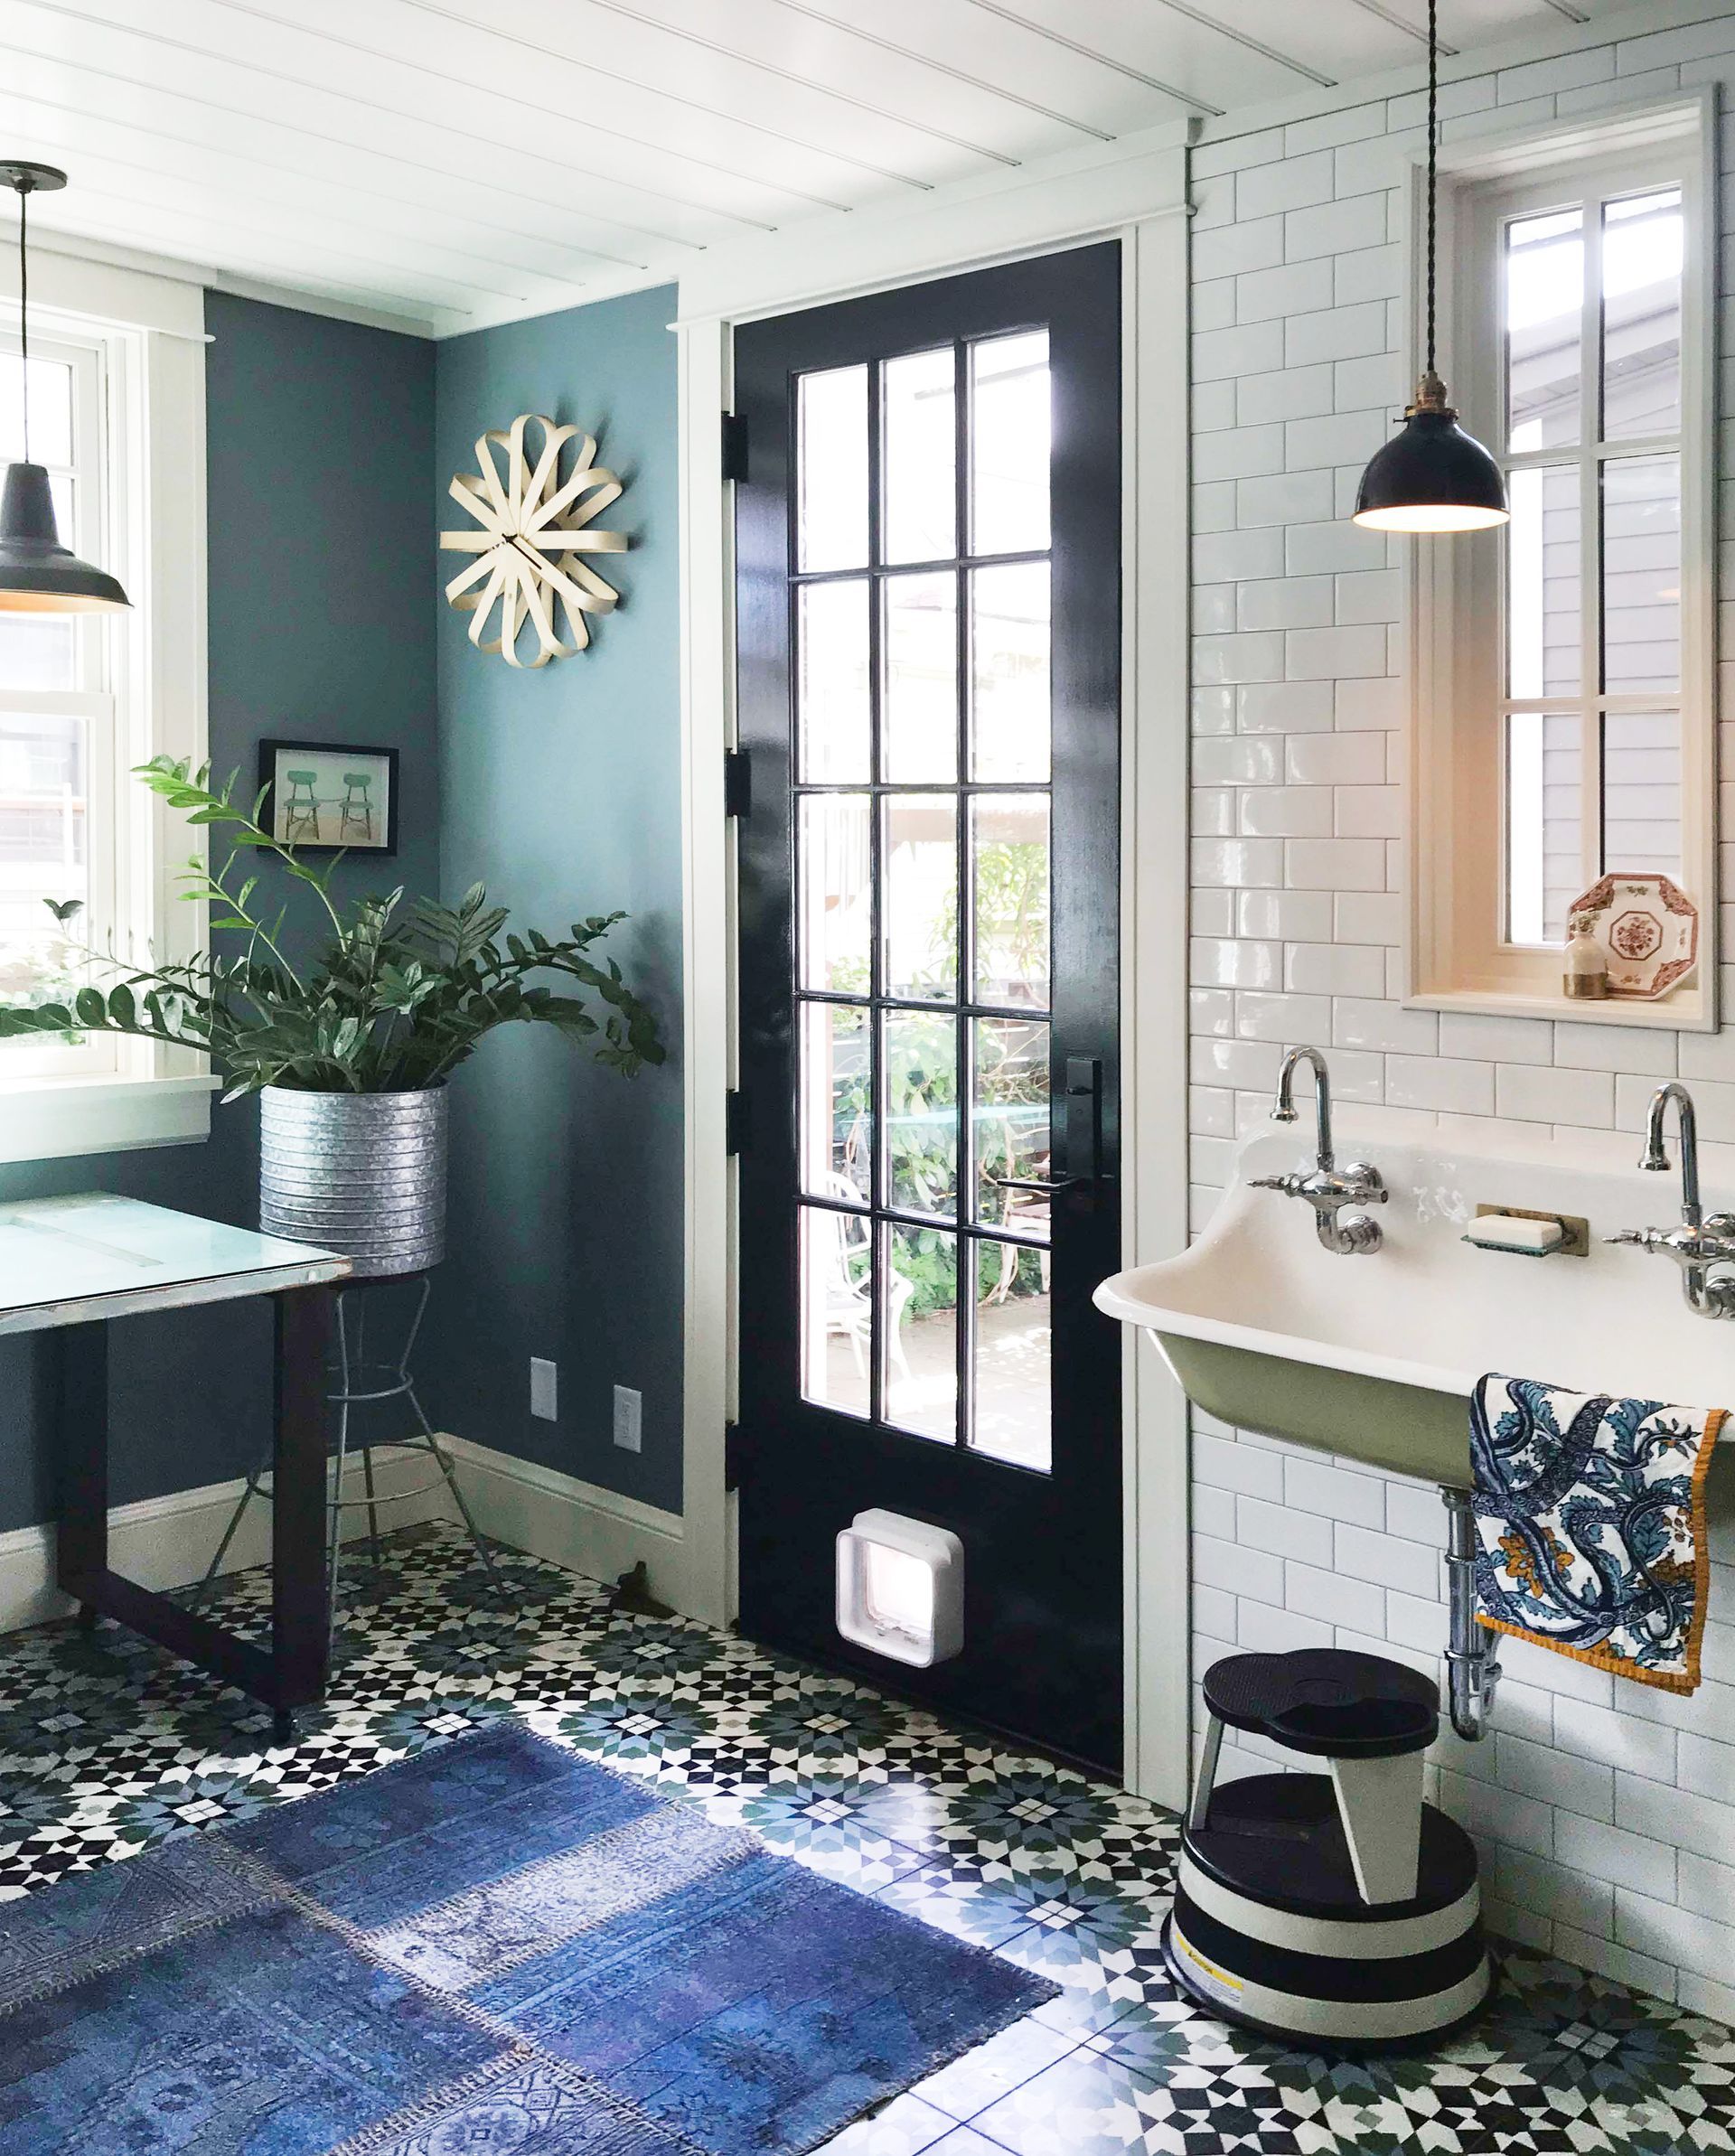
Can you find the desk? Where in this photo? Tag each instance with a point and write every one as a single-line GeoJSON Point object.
{"type": "Point", "coordinates": [69, 1265]}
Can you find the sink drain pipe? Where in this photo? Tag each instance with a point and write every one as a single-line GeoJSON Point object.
{"type": "Point", "coordinates": [1472, 1656]}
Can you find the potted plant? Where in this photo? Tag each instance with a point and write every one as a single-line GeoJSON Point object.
{"type": "Point", "coordinates": [349, 1049]}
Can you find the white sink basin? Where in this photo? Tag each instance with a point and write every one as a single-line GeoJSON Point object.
{"type": "Point", "coordinates": [1374, 1357]}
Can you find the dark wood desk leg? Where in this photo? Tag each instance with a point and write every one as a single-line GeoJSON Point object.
{"type": "Point", "coordinates": [300, 1631]}
{"type": "Point", "coordinates": [82, 1414]}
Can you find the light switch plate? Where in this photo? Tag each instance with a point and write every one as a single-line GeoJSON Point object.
{"type": "Point", "coordinates": [629, 1418]}
{"type": "Point", "coordinates": [545, 1388]}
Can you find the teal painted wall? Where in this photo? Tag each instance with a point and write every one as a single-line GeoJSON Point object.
{"type": "Point", "coordinates": [560, 790]}
{"type": "Point", "coordinates": [321, 527]}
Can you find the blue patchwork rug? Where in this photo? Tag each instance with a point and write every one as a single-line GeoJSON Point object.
{"type": "Point", "coordinates": [492, 1947]}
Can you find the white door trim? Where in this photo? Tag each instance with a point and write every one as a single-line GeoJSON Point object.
{"type": "Point", "coordinates": [707, 965]}
{"type": "Point", "coordinates": [1154, 738]}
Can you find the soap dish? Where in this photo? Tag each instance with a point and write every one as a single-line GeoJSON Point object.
{"type": "Point", "coordinates": [1526, 1234]}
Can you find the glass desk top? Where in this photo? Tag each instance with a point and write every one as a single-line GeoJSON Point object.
{"type": "Point", "coordinates": [69, 1260]}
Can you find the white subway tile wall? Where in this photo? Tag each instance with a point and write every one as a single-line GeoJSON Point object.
{"type": "Point", "coordinates": [1605, 1811]}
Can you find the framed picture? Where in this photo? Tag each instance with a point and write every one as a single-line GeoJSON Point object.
{"type": "Point", "coordinates": [324, 799]}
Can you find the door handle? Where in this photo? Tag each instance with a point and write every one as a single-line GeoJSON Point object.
{"type": "Point", "coordinates": [1082, 1151]}
{"type": "Point", "coordinates": [1081, 1134]}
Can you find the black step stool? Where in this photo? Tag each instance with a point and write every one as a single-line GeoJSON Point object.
{"type": "Point", "coordinates": [1337, 1908]}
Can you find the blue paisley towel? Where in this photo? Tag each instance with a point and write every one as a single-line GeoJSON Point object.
{"type": "Point", "coordinates": [1590, 1514]}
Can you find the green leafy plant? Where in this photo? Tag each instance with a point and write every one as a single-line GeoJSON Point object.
{"type": "Point", "coordinates": [921, 1081]}
{"type": "Point", "coordinates": [1011, 877]}
{"type": "Point", "coordinates": [395, 998]}
{"type": "Point", "coordinates": [52, 971]}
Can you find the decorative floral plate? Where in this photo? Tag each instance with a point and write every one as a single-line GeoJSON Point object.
{"type": "Point", "coordinates": [1647, 930]}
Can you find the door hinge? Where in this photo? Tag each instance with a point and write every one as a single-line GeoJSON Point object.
{"type": "Point", "coordinates": [735, 445]}
{"type": "Point", "coordinates": [734, 1122]}
{"type": "Point", "coordinates": [732, 1461]}
{"type": "Point", "coordinates": [737, 782]}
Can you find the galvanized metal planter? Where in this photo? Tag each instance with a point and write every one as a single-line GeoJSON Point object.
{"type": "Point", "coordinates": [362, 1173]}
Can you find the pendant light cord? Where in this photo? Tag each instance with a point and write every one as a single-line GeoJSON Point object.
{"type": "Point", "coordinates": [1434, 140]}
{"type": "Point", "coordinates": [23, 300]}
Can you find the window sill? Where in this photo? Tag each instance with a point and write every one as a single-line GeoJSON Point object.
{"type": "Point", "coordinates": [1683, 1012]}
{"type": "Point", "coordinates": [57, 1119]}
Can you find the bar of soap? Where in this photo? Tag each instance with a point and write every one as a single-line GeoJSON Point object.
{"type": "Point", "coordinates": [1507, 1232]}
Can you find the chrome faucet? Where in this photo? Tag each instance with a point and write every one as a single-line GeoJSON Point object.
{"type": "Point", "coordinates": [1697, 1243]}
{"type": "Point", "coordinates": [1326, 1188]}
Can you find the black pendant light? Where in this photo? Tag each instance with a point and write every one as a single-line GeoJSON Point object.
{"type": "Point", "coordinates": [1433, 476]}
{"type": "Point", "coordinates": [37, 574]}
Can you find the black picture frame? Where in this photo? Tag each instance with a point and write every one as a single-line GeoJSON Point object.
{"type": "Point", "coordinates": [322, 807]}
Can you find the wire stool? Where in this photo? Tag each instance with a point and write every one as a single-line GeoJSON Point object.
{"type": "Point", "coordinates": [354, 1391]}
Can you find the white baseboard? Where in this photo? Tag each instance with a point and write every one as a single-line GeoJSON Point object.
{"type": "Point", "coordinates": [167, 1542]}
{"type": "Point", "coordinates": [577, 1524]}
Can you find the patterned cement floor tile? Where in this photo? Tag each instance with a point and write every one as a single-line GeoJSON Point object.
{"type": "Point", "coordinates": [108, 1747]}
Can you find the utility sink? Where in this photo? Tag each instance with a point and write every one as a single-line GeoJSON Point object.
{"type": "Point", "coordinates": [1374, 1357]}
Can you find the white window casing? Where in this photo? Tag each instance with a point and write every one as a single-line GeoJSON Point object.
{"type": "Point", "coordinates": [1459, 954]}
{"type": "Point", "coordinates": [136, 346]}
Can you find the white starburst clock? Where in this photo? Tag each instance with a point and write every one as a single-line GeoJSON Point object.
{"type": "Point", "coordinates": [534, 527]}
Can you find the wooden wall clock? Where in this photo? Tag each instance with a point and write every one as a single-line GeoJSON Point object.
{"type": "Point", "coordinates": [534, 527]}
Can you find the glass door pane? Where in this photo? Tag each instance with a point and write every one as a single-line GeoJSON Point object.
{"type": "Point", "coordinates": [921, 1332]}
{"type": "Point", "coordinates": [919, 895]}
{"type": "Point", "coordinates": [1011, 1136]}
{"type": "Point", "coordinates": [1008, 869]}
{"type": "Point", "coordinates": [919, 706]}
{"type": "Point", "coordinates": [832, 464]}
{"type": "Point", "coordinates": [834, 719]}
{"type": "Point", "coordinates": [837, 1302]}
{"type": "Point", "coordinates": [1010, 720]}
{"type": "Point", "coordinates": [1012, 1391]}
{"type": "Point", "coordinates": [837, 1103]}
{"type": "Point", "coordinates": [1009, 411]}
{"type": "Point", "coordinates": [834, 891]}
{"type": "Point", "coordinates": [923, 893]}
{"type": "Point", "coordinates": [919, 1056]}
{"type": "Point", "coordinates": [919, 457]}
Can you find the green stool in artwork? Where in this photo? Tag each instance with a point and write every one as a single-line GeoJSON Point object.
{"type": "Point", "coordinates": [355, 811]}
{"type": "Point", "coordinates": [300, 808]}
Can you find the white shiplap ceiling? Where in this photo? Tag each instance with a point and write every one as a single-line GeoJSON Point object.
{"type": "Point", "coordinates": [456, 162]}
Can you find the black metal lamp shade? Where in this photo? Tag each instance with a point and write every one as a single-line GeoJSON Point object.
{"type": "Point", "coordinates": [37, 574]}
{"type": "Point", "coordinates": [1432, 476]}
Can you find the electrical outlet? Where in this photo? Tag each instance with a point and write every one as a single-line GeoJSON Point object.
{"type": "Point", "coordinates": [545, 1388]}
{"type": "Point", "coordinates": [629, 1412]}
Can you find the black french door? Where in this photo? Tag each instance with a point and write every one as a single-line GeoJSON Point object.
{"type": "Point", "coordinates": [929, 640]}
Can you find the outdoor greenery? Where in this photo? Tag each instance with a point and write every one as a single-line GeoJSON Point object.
{"type": "Point", "coordinates": [922, 1134]}
{"type": "Point", "coordinates": [921, 1056]}
{"type": "Point", "coordinates": [51, 971]}
{"type": "Point", "coordinates": [1011, 877]}
{"type": "Point", "coordinates": [395, 997]}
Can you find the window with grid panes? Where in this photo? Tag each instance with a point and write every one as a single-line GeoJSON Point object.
{"type": "Point", "coordinates": [1565, 729]}
{"type": "Point", "coordinates": [59, 741]}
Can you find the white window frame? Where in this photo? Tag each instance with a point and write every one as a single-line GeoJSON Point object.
{"type": "Point", "coordinates": [139, 342]}
{"type": "Point", "coordinates": [95, 698]}
{"type": "Point", "coordinates": [1456, 955]}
